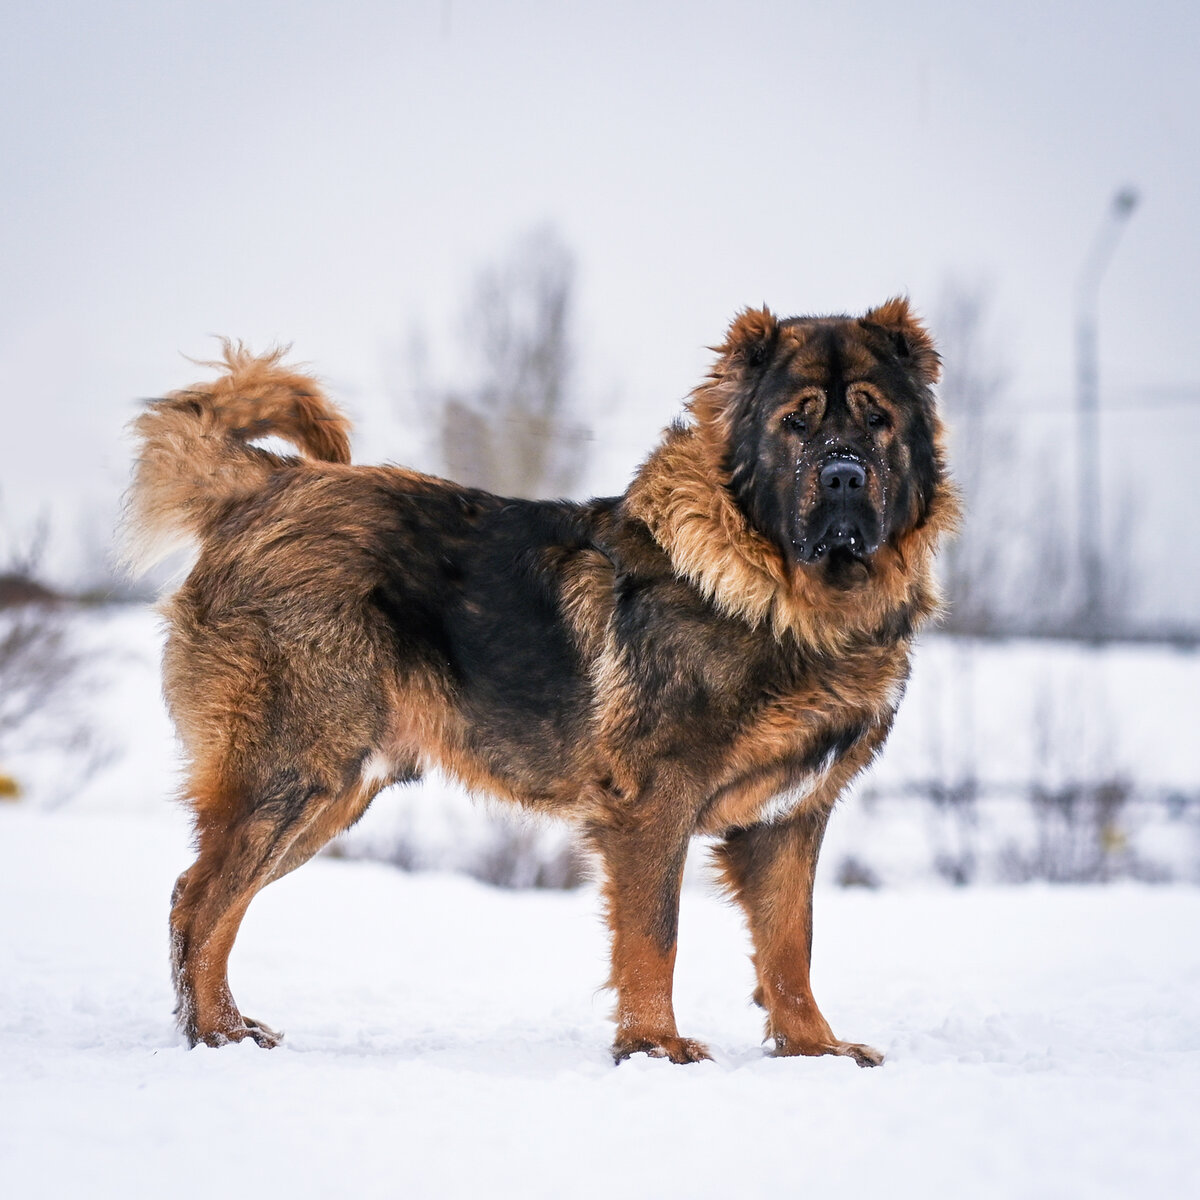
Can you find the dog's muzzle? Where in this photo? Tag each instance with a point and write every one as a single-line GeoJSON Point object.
{"type": "Point", "coordinates": [844, 518]}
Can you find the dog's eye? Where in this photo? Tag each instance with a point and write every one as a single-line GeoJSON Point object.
{"type": "Point", "coordinates": [878, 420]}
{"type": "Point", "coordinates": [796, 422]}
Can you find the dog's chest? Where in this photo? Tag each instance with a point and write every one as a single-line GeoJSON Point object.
{"type": "Point", "coordinates": [795, 746]}
{"type": "Point", "coordinates": [781, 805]}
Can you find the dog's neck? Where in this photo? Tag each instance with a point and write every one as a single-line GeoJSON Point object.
{"type": "Point", "coordinates": [682, 495]}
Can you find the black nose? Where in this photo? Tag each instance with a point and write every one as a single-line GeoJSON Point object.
{"type": "Point", "coordinates": [842, 476]}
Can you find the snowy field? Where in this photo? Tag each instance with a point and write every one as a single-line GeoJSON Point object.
{"type": "Point", "coordinates": [446, 1039]}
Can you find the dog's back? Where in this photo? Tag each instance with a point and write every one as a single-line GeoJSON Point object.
{"type": "Point", "coordinates": [342, 627]}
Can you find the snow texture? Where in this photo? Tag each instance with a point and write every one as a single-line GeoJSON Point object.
{"type": "Point", "coordinates": [447, 1039]}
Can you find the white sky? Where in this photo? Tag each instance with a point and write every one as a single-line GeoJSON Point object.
{"type": "Point", "coordinates": [330, 174]}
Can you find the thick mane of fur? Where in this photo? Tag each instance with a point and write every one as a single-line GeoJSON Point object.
{"type": "Point", "coordinates": [682, 494]}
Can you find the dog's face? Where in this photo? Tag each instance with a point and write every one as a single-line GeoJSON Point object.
{"type": "Point", "coordinates": [831, 433]}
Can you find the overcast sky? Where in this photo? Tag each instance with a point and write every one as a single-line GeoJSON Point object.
{"type": "Point", "coordinates": [332, 174]}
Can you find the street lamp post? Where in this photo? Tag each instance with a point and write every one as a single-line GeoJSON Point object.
{"type": "Point", "coordinates": [1087, 295]}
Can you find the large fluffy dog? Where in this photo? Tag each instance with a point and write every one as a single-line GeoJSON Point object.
{"type": "Point", "coordinates": [717, 651]}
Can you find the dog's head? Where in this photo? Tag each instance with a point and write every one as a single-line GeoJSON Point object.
{"type": "Point", "coordinates": [829, 432]}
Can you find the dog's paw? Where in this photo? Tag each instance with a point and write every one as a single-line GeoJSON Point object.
{"type": "Point", "coordinates": [265, 1036]}
{"type": "Point", "coordinates": [677, 1049]}
{"type": "Point", "coordinates": [256, 1031]}
{"type": "Point", "coordinates": [865, 1056]}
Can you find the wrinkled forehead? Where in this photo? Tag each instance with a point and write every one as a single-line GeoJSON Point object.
{"type": "Point", "coordinates": [831, 353]}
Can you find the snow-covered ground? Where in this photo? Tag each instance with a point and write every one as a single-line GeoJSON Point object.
{"type": "Point", "coordinates": [447, 1039]}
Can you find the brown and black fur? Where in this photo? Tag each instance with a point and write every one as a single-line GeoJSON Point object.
{"type": "Point", "coordinates": [719, 650]}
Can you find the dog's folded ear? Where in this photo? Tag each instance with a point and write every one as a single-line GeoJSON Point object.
{"type": "Point", "coordinates": [751, 339]}
{"type": "Point", "coordinates": [909, 338]}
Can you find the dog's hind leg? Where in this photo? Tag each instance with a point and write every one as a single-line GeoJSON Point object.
{"type": "Point", "coordinates": [237, 858]}
{"type": "Point", "coordinates": [643, 866]}
{"type": "Point", "coordinates": [178, 944]}
{"type": "Point", "coordinates": [769, 869]}
{"type": "Point", "coordinates": [338, 817]}
{"type": "Point", "coordinates": [233, 865]}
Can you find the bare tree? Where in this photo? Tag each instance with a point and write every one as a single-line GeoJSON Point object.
{"type": "Point", "coordinates": [511, 429]}
{"type": "Point", "coordinates": [1015, 566]}
{"type": "Point", "coordinates": [100, 577]}
{"type": "Point", "coordinates": [1119, 581]}
{"type": "Point", "coordinates": [36, 661]}
{"type": "Point", "coordinates": [509, 424]}
{"type": "Point", "coordinates": [42, 669]}
{"type": "Point", "coordinates": [982, 449]}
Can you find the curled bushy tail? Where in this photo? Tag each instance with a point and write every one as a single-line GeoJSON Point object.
{"type": "Point", "coordinates": [194, 457]}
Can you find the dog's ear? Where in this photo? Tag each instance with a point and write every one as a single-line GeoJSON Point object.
{"type": "Point", "coordinates": [748, 346]}
{"type": "Point", "coordinates": [909, 338]}
{"type": "Point", "coordinates": [751, 340]}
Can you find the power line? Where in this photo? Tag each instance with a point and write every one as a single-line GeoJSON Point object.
{"type": "Point", "coordinates": [999, 413]}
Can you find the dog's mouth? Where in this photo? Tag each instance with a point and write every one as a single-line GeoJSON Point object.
{"type": "Point", "coordinates": [838, 545]}
{"type": "Point", "coordinates": [839, 539]}
{"type": "Point", "coordinates": [840, 550]}
{"type": "Point", "coordinates": [844, 569]}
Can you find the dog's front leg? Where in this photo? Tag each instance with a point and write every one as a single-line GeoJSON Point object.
{"type": "Point", "coordinates": [770, 870]}
{"type": "Point", "coordinates": [643, 864]}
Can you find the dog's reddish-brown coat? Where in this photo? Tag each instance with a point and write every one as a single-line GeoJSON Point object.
{"type": "Point", "coordinates": [268, 634]}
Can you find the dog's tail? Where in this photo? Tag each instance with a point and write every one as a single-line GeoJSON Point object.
{"type": "Point", "coordinates": [194, 456]}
